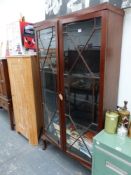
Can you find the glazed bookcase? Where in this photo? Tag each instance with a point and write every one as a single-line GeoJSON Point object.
{"type": "Point", "coordinates": [79, 58]}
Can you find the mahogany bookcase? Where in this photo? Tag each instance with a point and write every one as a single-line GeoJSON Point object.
{"type": "Point", "coordinates": [79, 58]}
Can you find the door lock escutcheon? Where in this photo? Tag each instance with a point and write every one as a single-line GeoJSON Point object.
{"type": "Point", "coordinates": [60, 96]}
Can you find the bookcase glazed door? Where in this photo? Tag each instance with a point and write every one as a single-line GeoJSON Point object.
{"type": "Point", "coordinates": [47, 45]}
{"type": "Point", "coordinates": [81, 47]}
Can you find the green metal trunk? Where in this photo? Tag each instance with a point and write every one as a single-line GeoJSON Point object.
{"type": "Point", "coordinates": [111, 155]}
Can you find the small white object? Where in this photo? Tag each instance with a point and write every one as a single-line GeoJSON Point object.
{"type": "Point", "coordinates": [112, 119]}
{"type": "Point", "coordinates": [118, 148]}
{"type": "Point", "coordinates": [102, 1]}
{"type": "Point", "coordinates": [122, 131]}
{"type": "Point", "coordinates": [98, 143]}
{"type": "Point", "coordinates": [79, 30]}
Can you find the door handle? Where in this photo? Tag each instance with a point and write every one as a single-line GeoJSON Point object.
{"type": "Point", "coordinates": [61, 97]}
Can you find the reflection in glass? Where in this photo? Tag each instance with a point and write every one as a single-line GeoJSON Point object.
{"type": "Point", "coordinates": [81, 82]}
{"type": "Point", "coordinates": [47, 55]}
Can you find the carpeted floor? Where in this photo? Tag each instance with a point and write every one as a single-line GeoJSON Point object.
{"type": "Point", "coordinates": [18, 157]}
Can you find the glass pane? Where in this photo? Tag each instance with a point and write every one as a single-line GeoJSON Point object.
{"type": "Point", "coordinates": [81, 81]}
{"type": "Point", "coordinates": [47, 55]}
{"type": "Point", "coordinates": [79, 140]}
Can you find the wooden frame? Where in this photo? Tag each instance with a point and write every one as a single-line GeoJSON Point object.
{"type": "Point", "coordinates": [40, 26]}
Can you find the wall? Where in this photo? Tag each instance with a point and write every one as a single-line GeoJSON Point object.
{"type": "Point", "coordinates": [125, 73]}
{"type": "Point", "coordinates": [55, 8]}
{"type": "Point", "coordinates": [34, 11]}
{"type": "Point", "coordinates": [10, 11]}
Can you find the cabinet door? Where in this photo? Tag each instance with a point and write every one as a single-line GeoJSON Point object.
{"type": "Point", "coordinates": [47, 52]}
{"type": "Point", "coordinates": [20, 72]}
{"type": "Point", "coordinates": [81, 47]}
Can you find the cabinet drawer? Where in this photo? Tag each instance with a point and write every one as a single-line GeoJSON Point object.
{"type": "Point", "coordinates": [110, 164]}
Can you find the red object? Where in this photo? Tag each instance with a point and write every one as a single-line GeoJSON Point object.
{"type": "Point", "coordinates": [27, 35]}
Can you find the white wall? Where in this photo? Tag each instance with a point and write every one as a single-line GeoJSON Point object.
{"type": "Point", "coordinates": [125, 72]}
{"type": "Point", "coordinates": [33, 10]}
{"type": "Point", "coordinates": [11, 10]}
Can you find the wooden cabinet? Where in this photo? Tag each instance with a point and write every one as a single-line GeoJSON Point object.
{"type": "Point", "coordinates": [26, 95]}
{"type": "Point", "coordinates": [5, 93]}
{"type": "Point", "coordinates": [79, 62]}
